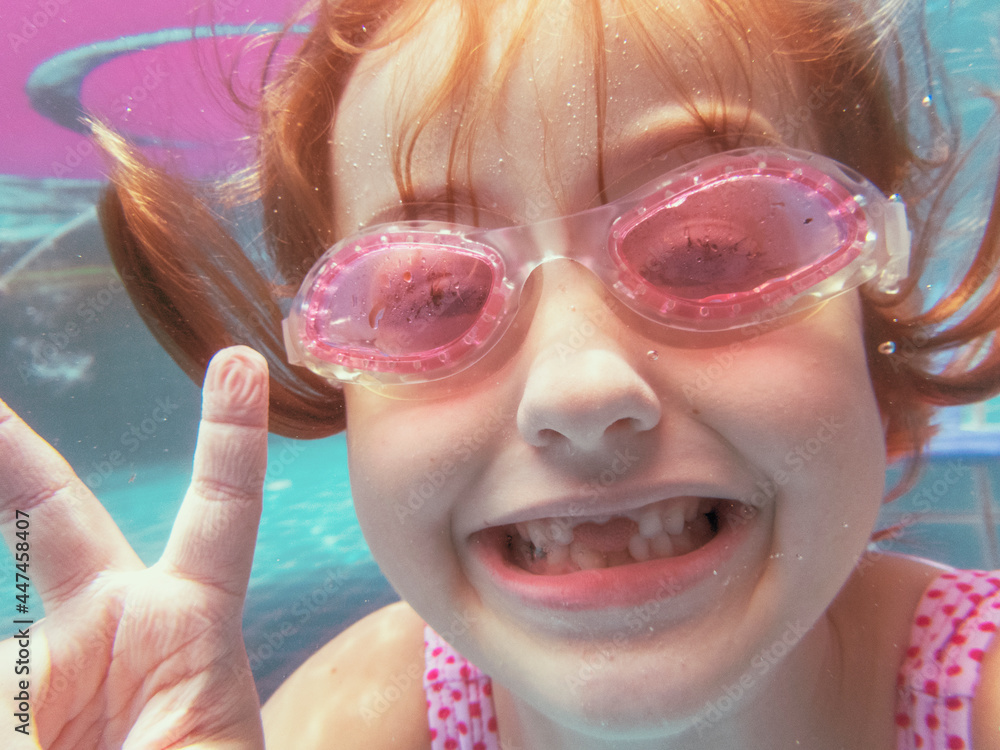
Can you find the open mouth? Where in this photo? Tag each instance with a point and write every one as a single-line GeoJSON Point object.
{"type": "Point", "coordinates": [665, 529]}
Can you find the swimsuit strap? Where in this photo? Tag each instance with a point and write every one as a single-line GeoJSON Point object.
{"type": "Point", "coordinates": [953, 627]}
{"type": "Point", "coordinates": [459, 699]}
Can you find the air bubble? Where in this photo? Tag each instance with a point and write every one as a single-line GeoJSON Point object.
{"type": "Point", "coordinates": [927, 100]}
{"type": "Point", "coordinates": [887, 347]}
{"type": "Point", "coordinates": [653, 354]}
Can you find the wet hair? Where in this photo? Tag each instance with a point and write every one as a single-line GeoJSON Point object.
{"type": "Point", "coordinates": [195, 287]}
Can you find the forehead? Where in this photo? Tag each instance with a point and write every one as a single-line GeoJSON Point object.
{"type": "Point", "coordinates": [519, 113]}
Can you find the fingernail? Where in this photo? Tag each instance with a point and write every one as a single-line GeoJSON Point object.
{"type": "Point", "coordinates": [236, 385]}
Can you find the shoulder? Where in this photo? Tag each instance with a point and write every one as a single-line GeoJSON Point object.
{"type": "Point", "coordinates": [897, 585]}
{"type": "Point", "coordinates": [362, 689]}
{"type": "Point", "coordinates": [883, 593]}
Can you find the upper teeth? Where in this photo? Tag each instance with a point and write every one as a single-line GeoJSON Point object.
{"type": "Point", "coordinates": [666, 516]}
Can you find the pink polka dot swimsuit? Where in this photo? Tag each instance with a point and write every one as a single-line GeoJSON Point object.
{"type": "Point", "coordinates": [952, 629]}
{"type": "Point", "coordinates": [459, 699]}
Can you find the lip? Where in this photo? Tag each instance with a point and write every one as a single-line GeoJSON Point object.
{"type": "Point", "coordinates": [609, 588]}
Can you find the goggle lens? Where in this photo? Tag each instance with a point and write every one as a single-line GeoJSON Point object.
{"type": "Point", "coordinates": [737, 242]}
{"type": "Point", "coordinates": [404, 302]}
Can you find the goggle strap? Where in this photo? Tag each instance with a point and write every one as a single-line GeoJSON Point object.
{"type": "Point", "coordinates": [897, 246]}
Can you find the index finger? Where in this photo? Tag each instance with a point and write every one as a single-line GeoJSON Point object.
{"type": "Point", "coordinates": [71, 537]}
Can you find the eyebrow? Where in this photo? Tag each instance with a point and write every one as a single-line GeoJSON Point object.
{"type": "Point", "coordinates": [642, 143]}
{"type": "Point", "coordinates": [666, 133]}
{"type": "Point", "coordinates": [444, 204]}
{"type": "Point", "coordinates": [669, 129]}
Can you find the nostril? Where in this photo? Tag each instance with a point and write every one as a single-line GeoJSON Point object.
{"type": "Point", "coordinates": [584, 400]}
{"type": "Point", "coordinates": [627, 424]}
{"type": "Point", "coordinates": [545, 437]}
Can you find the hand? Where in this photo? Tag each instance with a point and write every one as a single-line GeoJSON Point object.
{"type": "Point", "coordinates": [129, 656]}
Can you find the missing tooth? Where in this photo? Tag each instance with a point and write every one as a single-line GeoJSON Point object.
{"type": "Point", "coordinates": [536, 554]}
{"type": "Point", "coordinates": [713, 521]}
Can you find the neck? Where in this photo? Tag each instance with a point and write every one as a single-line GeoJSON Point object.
{"type": "Point", "coordinates": [803, 703]}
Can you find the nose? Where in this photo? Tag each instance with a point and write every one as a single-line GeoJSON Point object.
{"type": "Point", "coordinates": [591, 395]}
{"type": "Point", "coordinates": [581, 387]}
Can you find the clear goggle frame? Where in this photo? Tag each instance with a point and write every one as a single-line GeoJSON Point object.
{"type": "Point", "coordinates": [718, 244]}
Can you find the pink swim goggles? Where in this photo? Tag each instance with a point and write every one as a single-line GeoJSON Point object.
{"type": "Point", "coordinates": [721, 243]}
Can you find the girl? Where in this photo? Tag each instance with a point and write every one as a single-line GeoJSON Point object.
{"type": "Point", "coordinates": [612, 299]}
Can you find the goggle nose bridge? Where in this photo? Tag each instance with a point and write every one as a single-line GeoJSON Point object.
{"type": "Point", "coordinates": [583, 238]}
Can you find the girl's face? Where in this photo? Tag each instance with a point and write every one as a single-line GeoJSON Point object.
{"type": "Point", "coordinates": [596, 424]}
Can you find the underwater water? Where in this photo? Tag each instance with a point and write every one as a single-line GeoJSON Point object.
{"type": "Point", "coordinates": [78, 364]}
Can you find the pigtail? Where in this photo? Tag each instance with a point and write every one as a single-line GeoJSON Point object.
{"type": "Point", "coordinates": [190, 280]}
{"type": "Point", "coordinates": [191, 283]}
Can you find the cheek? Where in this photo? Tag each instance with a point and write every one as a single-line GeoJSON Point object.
{"type": "Point", "coordinates": [812, 431]}
{"type": "Point", "coordinates": [411, 463]}
{"type": "Point", "coordinates": [798, 404]}
{"type": "Point", "coordinates": [802, 398]}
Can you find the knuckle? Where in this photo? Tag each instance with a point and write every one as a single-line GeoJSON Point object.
{"type": "Point", "coordinates": [214, 489]}
{"type": "Point", "coordinates": [35, 497]}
